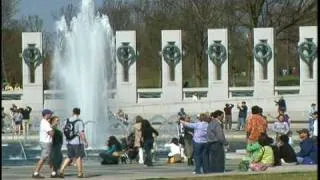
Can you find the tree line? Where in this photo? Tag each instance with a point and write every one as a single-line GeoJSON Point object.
{"type": "Point", "coordinates": [193, 17]}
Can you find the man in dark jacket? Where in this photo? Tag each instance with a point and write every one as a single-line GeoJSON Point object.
{"type": "Point", "coordinates": [309, 152]}
{"type": "Point", "coordinates": [214, 150]}
{"type": "Point", "coordinates": [26, 118]}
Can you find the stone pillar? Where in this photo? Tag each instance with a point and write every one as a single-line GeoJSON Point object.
{"type": "Point", "coordinates": [308, 84]}
{"type": "Point", "coordinates": [263, 62]}
{"type": "Point", "coordinates": [32, 87]}
{"type": "Point", "coordinates": [171, 86]}
{"type": "Point", "coordinates": [218, 86]}
{"type": "Point", "coordinates": [126, 83]}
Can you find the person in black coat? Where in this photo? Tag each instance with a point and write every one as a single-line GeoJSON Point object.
{"type": "Point", "coordinates": [148, 133]}
{"type": "Point", "coordinates": [286, 152]}
{"type": "Point", "coordinates": [57, 141]}
{"type": "Point", "coordinates": [26, 119]}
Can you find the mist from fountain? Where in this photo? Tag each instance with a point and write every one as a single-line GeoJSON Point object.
{"type": "Point", "coordinates": [83, 67]}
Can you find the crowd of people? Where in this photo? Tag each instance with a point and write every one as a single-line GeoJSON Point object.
{"type": "Point", "coordinates": [201, 142]}
{"type": "Point", "coordinates": [20, 120]}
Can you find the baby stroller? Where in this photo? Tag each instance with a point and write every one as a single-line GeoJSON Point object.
{"type": "Point", "coordinates": [131, 152]}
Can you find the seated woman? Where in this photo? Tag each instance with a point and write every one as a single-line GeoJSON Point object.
{"type": "Point", "coordinates": [286, 152]}
{"type": "Point", "coordinates": [308, 150]}
{"type": "Point", "coordinates": [253, 149]}
{"type": "Point", "coordinates": [112, 154]}
{"type": "Point", "coordinates": [174, 155]}
{"type": "Point", "coordinates": [265, 158]}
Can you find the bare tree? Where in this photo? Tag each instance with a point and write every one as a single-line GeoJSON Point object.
{"type": "Point", "coordinates": [32, 23]}
{"type": "Point", "coordinates": [69, 11]}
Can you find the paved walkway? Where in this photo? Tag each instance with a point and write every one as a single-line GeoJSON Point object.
{"type": "Point", "coordinates": [93, 170]}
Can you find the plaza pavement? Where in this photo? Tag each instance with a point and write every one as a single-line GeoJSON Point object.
{"type": "Point", "coordinates": [93, 170]}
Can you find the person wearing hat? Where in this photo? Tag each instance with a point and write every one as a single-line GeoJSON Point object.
{"type": "Point", "coordinates": [308, 150]}
{"type": "Point", "coordinates": [45, 134]}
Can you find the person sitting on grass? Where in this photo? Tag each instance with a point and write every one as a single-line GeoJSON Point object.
{"type": "Point", "coordinates": [286, 152]}
{"type": "Point", "coordinates": [174, 155]}
{"type": "Point", "coordinates": [112, 154]}
{"type": "Point", "coordinates": [308, 150]}
{"type": "Point", "coordinates": [253, 150]}
{"type": "Point", "coordinates": [265, 158]}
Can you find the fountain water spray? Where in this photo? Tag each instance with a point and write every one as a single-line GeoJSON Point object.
{"type": "Point", "coordinates": [83, 65]}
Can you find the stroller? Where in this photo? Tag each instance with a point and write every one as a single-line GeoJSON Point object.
{"type": "Point", "coordinates": [130, 152]}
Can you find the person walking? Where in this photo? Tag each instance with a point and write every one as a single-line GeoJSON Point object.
{"type": "Point", "coordinates": [76, 142]}
{"type": "Point", "coordinates": [57, 141]}
{"type": "Point", "coordinates": [216, 143]}
{"type": "Point", "coordinates": [199, 142]}
{"type": "Point", "coordinates": [137, 138]}
{"type": "Point", "coordinates": [45, 138]}
{"type": "Point", "coordinates": [228, 116]}
{"type": "Point", "coordinates": [148, 133]}
{"type": "Point", "coordinates": [243, 110]}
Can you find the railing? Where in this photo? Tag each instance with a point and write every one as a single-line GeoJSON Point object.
{"type": "Point", "coordinates": [199, 93]}
{"type": "Point", "coordinates": [149, 93]}
{"type": "Point", "coordinates": [11, 95]}
{"type": "Point", "coordinates": [23, 151]}
{"type": "Point", "coordinates": [155, 93]}
{"type": "Point", "coordinates": [240, 91]}
{"type": "Point", "coordinates": [278, 90]}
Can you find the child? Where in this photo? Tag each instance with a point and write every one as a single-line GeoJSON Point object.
{"type": "Point", "coordinates": [281, 127]}
{"type": "Point", "coordinates": [174, 155]}
{"type": "Point", "coordinates": [265, 157]}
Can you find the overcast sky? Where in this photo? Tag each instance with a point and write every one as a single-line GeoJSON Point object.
{"type": "Point", "coordinates": [44, 8]}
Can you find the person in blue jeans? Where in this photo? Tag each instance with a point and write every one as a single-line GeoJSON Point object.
{"type": "Point", "coordinates": [148, 134]}
{"type": "Point", "coordinates": [243, 109]}
{"type": "Point", "coordinates": [199, 142]}
{"type": "Point", "coordinates": [308, 150]}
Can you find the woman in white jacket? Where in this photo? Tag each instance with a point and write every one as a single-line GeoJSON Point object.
{"type": "Point", "coordinates": [174, 155]}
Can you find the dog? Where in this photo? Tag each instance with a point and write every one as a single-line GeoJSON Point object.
{"type": "Point", "coordinates": [124, 158]}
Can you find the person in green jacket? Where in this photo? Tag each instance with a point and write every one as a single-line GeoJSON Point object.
{"type": "Point", "coordinates": [265, 156]}
{"type": "Point", "coordinates": [57, 141]}
{"type": "Point", "coordinates": [253, 149]}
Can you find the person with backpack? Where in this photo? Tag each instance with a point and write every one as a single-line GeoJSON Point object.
{"type": "Point", "coordinates": [76, 142]}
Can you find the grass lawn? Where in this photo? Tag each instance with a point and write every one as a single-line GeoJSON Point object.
{"type": "Point", "coordinates": [267, 176]}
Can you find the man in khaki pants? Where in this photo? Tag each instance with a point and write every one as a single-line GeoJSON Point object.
{"type": "Point", "coordinates": [26, 120]}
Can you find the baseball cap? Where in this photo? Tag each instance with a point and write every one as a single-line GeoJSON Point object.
{"type": "Point", "coordinates": [304, 130]}
{"type": "Point", "coordinates": [46, 111]}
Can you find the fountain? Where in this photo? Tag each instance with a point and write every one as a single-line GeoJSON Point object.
{"type": "Point", "coordinates": [83, 66]}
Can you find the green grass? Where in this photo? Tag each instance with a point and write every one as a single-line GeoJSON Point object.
{"type": "Point", "coordinates": [267, 176]}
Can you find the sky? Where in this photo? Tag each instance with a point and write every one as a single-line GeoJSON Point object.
{"type": "Point", "coordinates": [44, 9]}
